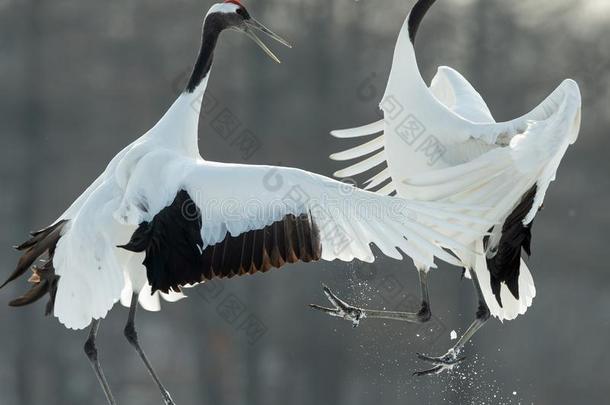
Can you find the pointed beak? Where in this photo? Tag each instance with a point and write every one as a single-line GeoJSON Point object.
{"type": "Point", "coordinates": [251, 26]}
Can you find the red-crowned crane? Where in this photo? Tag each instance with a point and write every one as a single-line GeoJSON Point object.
{"type": "Point", "coordinates": [441, 143]}
{"type": "Point", "coordinates": [162, 217]}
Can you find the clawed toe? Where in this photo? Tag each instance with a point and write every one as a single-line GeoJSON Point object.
{"type": "Point", "coordinates": [431, 371]}
{"type": "Point", "coordinates": [443, 363]}
{"type": "Point", "coordinates": [449, 359]}
{"type": "Point", "coordinates": [341, 308]}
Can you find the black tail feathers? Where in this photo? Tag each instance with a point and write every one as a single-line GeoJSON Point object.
{"type": "Point", "coordinates": [44, 279]}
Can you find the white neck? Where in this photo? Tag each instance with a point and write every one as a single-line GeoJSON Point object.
{"type": "Point", "coordinates": [179, 126]}
{"type": "Point", "coordinates": [404, 75]}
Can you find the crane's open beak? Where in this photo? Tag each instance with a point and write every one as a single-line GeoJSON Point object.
{"type": "Point", "coordinates": [251, 26]}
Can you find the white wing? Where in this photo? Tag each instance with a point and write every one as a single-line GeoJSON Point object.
{"type": "Point", "coordinates": [238, 209]}
{"type": "Point", "coordinates": [442, 144]}
{"type": "Point", "coordinates": [459, 96]}
{"type": "Point", "coordinates": [501, 176]}
{"type": "Point", "coordinates": [454, 92]}
{"type": "Point", "coordinates": [91, 269]}
{"type": "Point", "coordinates": [469, 170]}
{"type": "Point", "coordinates": [361, 217]}
{"type": "Point", "coordinates": [87, 261]}
{"type": "Point", "coordinates": [235, 199]}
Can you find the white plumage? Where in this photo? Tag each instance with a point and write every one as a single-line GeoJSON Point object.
{"type": "Point", "coordinates": [161, 218]}
{"type": "Point", "coordinates": [441, 143]}
{"type": "Point", "coordinates": [146, 176]}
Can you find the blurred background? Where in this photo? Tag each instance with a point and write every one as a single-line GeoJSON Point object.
{"type": "Point", "coordinates": [81, 79]}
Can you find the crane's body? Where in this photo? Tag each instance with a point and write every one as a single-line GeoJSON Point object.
{"type": "Point", "coordinates": [441, 143]}
{"type": "Point", "coordinates": [160, 217]}
{"type": "Point", "coordinates": [160, 182]}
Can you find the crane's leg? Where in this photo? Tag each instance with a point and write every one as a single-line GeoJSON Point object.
{"type": "Point", "coordinates": [452, 357]}
{"type": "Point", "coordinates": [355, 315]}
{"type": "Point", "coordinates": [92, 354]}
{"type": "Point", "coordinates": [132, 337]}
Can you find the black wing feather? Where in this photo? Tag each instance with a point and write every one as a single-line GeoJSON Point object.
{"type": "Point", "coordinates": [504, 266]}
{"type": "Point", "coordinates": [175, 255]}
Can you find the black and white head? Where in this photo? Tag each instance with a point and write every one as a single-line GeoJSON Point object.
{"type": "Point", "coordinates": [233, 15]}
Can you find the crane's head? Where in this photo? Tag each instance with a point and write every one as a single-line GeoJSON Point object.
{"type": "Point", "coordinates": [231, 14]}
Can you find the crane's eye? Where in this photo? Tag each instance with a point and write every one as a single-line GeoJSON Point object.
{"type": "Point", "coordinates": [243, 13]}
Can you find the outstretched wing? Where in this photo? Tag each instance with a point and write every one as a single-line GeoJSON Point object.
{"type": "Point", "coordinates": [530, 159]}
{"type": "Point", "coordinates": [507, 166]}
{"type": "Point", "coordinates": [223, 220]}
{"type": "Point", "coordinates": [513, 180]}
{"type": "Point", "coordinates": [526, 150]}
{"type": "Point", "coordinates": [442, 144]}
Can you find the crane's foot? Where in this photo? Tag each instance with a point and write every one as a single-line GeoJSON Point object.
{"type": "Point", "coordinates": [443, 363]}
{"type": "Point", "coordinates": [341, 309]}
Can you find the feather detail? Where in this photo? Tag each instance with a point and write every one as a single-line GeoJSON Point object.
{"type": "Point", "coordinates": [44, 279]}
{"type": "Point", "coordinates": [386, 190]}
{"type": "Point", "coordinates": [362, 166]}
{"type": "Point", "coordinates": [379, 178]}
{"type": "Point", "coordinates": [365, 130]}
{"type": "Point", "coordinates": [360, 150]}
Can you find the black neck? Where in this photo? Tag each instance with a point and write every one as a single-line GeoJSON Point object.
{"type": "Point", "coordinates": [417, 15]}
{"type": "Point", "coordinates": [211, 32]}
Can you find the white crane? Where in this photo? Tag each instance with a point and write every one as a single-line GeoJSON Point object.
{"type": "Point", "coordinates": [160, 217]}
{"type": "Point", "coordinates": [441, 143]}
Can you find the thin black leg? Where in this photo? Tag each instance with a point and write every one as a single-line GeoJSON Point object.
{"type": "Point", "coordinates": [132, 337]}
{"type": "Point", "coordinates": [355, 315]}
{"type": "Point", "coordinates": [452, 357]}
{"type": "Point", "coordinates": [92, 355]}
